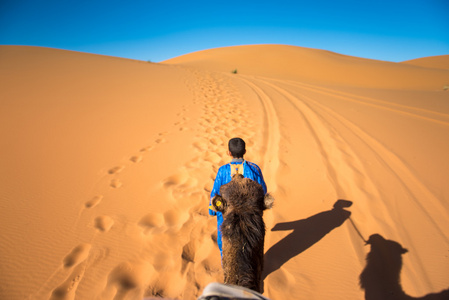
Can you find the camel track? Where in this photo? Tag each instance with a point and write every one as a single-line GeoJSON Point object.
{"type": "Point", "coordinates": [326, 126]}
{"type": "Point", "coordinates": [339, 140]}
{"type": "Point", "coordinates": [388, 159]}
{"type": "Point", "coordinates": [430, 115]}
{"type": "Point", "coordinates": [272, 136]}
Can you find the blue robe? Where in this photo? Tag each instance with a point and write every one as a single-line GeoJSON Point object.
{"type": "Point", "coordinates": [250, 170]}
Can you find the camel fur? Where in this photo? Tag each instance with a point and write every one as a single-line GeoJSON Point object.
{"type": "Point", "coordinates": [242, 203]}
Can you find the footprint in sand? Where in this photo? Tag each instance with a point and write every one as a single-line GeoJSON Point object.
{"type": "Point", "coordinates": [188, 251]}
{"type": "Point", "coordinates": [168, 286]}
{"type": "Point", "coordinates": [212, 157]}
{"type": "Point", "coordinates": [211, 265]}
{"type": "Point", "coordinates": [103, 223]}
{"type": "Point", "coordinates": [77, 255]}
{"type": "Point", "coordinates": [136, 158]}
{"type": "Point", "coordinates": [150, 221]}
{"type": "Point", "coordinates": [188, 254]}
{"type": "Point", "coordinates": [175, 217]}
{"type": "Point", "coordinates": [145, 149]}
{"type": "Point", "coordinates": [79, 258]}
{"type": "Point", "coordinates": [200, 146]}
{"type": "Point", "coordinates": [171, 181]}
{"type": "Point", "coordinates": [130, 277]}
{"type": "Point", "coordinates": [116, 170]}
{"type": "Point", "coordinates": [93, 202]}
{"type": "Point", "coordinates": [115, 183]}
{"type": "Point", "coordinates": [68, 288]}
{"type": "Point", "coordinates": [216, 142]}
{"type": "Point", "coordinates": [180, 181]}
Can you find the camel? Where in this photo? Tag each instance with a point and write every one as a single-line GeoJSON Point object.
{"type": "Point", "coordinates": [242, 203]}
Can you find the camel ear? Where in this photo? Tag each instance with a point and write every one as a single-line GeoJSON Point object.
{"type": "Point", "coordinates": [219, 203]}
{"type": "Point", "coordinates": [268, 200]}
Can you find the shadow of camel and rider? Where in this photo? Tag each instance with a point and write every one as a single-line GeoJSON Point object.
{"type": "Point", "coordinates": [305, 234]}
{"type": "Point", "coordinates": [380, 279]}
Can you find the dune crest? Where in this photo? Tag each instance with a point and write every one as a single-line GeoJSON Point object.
{"type": "Point", "coordinates": [313, 66]}
{"type": "Point", "coordinates": [437, 62]}
{"type": "Point", "coordinates": [107, 166]}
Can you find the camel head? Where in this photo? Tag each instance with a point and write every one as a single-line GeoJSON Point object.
{"type": "Point", "coordinates": [242, 194]}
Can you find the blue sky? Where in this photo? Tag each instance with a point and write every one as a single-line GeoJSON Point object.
{"type": "Point", "coordinates": [392, 30]}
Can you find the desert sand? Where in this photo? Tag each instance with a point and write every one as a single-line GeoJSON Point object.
{"type": "Point", "coordinates": [107, 165]}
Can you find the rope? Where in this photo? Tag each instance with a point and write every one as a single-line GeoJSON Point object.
{"type": "Point", "coordinates": [358, 231]}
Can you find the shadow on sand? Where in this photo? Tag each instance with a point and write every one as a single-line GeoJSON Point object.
{"type": "Point", "coordinates": [305, 234]}
{"type": "Point", "coordinates": [381, 277]}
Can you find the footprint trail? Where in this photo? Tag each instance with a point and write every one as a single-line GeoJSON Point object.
{"type": "Point", "coordinates": [169, 253]}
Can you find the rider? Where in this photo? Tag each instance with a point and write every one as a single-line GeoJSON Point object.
{"type": "Point", "coordinates": [237, 149]}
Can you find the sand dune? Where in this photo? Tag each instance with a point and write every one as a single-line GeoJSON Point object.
{"type": "Point", "coordinates": [107, 165]}
{"type": "Point", "coordinates": [315, 66]}
{"type": "Point", "coordinates": [437, 62]}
